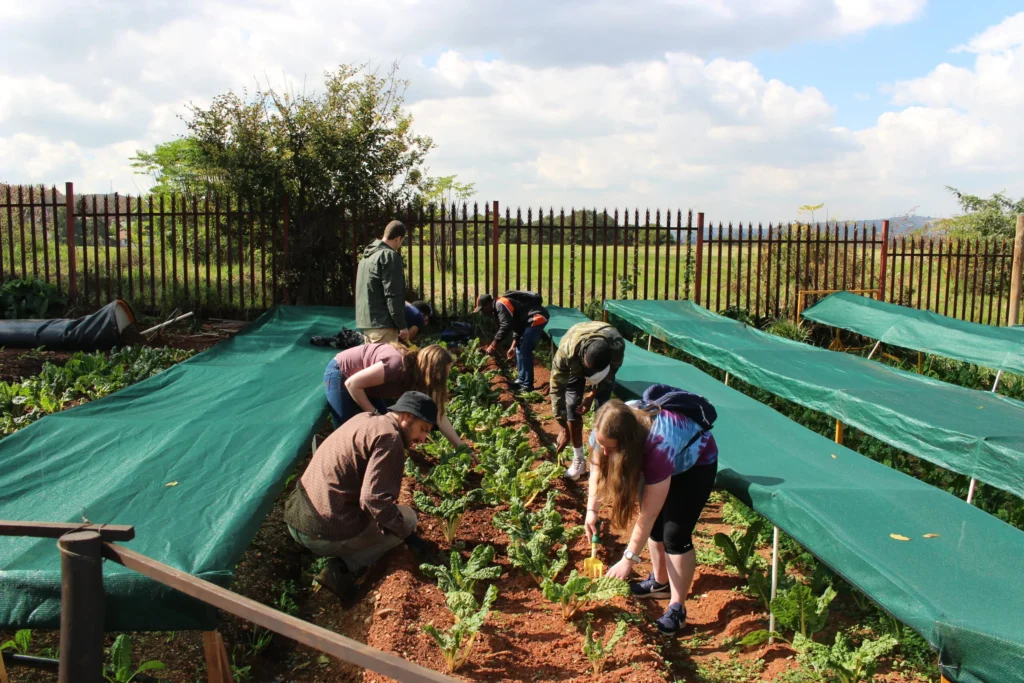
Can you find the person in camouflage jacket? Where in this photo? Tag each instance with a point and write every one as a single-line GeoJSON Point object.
{"type": "Point", "coordinates": [582, 372]}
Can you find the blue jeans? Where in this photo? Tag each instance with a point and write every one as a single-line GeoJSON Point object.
{"type": "Point", "coordinates": [342, 406]}
{"type": "Point", "coordinates": [524, 355]}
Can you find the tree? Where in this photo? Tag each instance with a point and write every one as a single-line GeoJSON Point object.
{"type": "Point", "coordinates": [351, 145]}
{"type": "Point", "coordinates": [811, 208]}
{"type": "Point", "coordinates": [992, 217]}
{"type": "Point", "coordinates": [177, 167]}
{"type": "Point", "coordinates": [446, 194]}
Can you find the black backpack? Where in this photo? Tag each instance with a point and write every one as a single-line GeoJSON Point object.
{"type": "Point", "coordinates": [693, 406]}
{"type": "Point", "coordinates": [524, 296]}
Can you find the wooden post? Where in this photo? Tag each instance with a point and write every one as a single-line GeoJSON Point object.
{"type": "Point", "coordinates": [69, 209]}
{"type": "Point", "coordinates": [700, 257]}
{"type": "Point", "coordinates": [1018, 273]}
{"type": "Point", "coordinates": [494, 246]}
{"type": "Point", "coordinates": [285, 220]}
{"type": "Point", "coordinates": [81, 607]}
{"type": "Point", "coordinates": [883, 261]}
{"type": "Point", "coordinates": [218, 665]}
{"type": "Point", "coordinates": [839, 432]}
{"type": "Point", "coordinates": [920, 362]}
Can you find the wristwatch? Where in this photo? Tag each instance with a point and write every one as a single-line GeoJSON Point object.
{"type": "Point", "coordinates": [630, 556]}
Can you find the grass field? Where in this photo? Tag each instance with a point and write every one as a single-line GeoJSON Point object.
{"type": "Point", "coordinates": [567, 276]}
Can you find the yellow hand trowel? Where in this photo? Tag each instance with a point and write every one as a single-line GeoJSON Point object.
{"type": "Point", "coordinates": [593, 567]}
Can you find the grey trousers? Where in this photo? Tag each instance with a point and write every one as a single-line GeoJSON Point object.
{"type": "Point", "coordinates": [362, 550]}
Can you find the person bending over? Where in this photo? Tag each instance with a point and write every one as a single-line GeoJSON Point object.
{"type": "Point", "coordinates": [417, 317]}
{"type": "Point", "coordinates": [358, 380]}
{"type": "Point", "coordinates": [345, 507]}
{"type": "Point", "coordinates": [582, 372]}
{"type": "Point", "coordinates": [675, 461]}
{"type": "Point", "coordinates": [521, 315]}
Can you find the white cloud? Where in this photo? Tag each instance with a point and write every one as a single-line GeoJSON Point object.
{"type": "Point", "coordinates": [573, 102]}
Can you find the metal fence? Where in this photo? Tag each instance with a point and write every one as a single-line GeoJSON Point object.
{"type": "Point", "coordinates": [226, 255]}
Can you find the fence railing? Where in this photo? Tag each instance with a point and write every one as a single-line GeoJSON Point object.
{"type": "Point", "coordinates": [83, 547]}
{"type": "Point", "coordinates": [226, 255]}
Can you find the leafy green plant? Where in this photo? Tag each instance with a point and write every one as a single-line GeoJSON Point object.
{"type": "Point", "coordinates": [596, 651]}
{"type": "Point", "coordinates": [532, 535]}
{"type": "Point", "coordinates": [740, 554]}
{"type": "Point", "coordinates": [798, 609]}
{"type": "Point", "coordinates": [472, 357]}
{"type": "Point", "coordinates": [463, 576]}
{"type": "Point", "coordinates": [449, 510]}
{"type": "Point", "coordinates": [456, 643]}
{"type": "Point", "coordinates": [578, 591]}
{"type": "Point", "coordinates": [788, 329]}
{"type": "Point", "coordinates": [28, 299]}
{"type": "Point", "coordinates": [20, 643]}
{"type": "Point", "coordinates": [841, 662]}
{"type": "Point", "coordinates": [121, 662]}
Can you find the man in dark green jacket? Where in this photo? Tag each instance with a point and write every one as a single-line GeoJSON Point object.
{"type": "Point", "coordinates": [380, 288]}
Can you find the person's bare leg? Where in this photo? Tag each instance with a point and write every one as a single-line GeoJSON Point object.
{"type": "Point", "coordinates": [658, 561]}
{"type": "Point", "coordinates": [576, 430]}
{"type": "Point", "coordinates": [681, 569]}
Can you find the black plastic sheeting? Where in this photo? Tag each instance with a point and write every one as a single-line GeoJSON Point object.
{"type": "Point", "coordinates": [99, 331]}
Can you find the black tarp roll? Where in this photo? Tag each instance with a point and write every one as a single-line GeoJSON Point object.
{"type": "Point", "coordinates": [99, 331]}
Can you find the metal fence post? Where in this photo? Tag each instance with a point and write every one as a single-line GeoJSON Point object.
{"type": "Point", "coordinates": [284, 246]}
{"type": "Point", "coordinates": [81, 607]}
{"type": "Point", "coordinates": [69, 209]}
{"type": "Point", "coordinates": [494, 246]}
{"type": "Point", "coordinates": [883, 261]}
{"type": "Point", "coordinates": [1017, 273]}
{"type": "Point", "coordinates": [700, 258]}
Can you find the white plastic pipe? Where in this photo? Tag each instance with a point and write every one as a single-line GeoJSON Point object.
{"type": "Point", "coordinates": [970, 490]}
{"type": "Point", "coordinates": [169, 322]}
{"type": "Point", "coordinates": [650, 340]}
{"type": "Point", "coordinates": [727, 379]}
{"type": "Point", "coordinates": [775, 580]}
{"type": "Point", "coordinates": [875, 348]}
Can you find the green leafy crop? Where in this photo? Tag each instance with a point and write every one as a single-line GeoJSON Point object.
{"type": "Point", "coordinates": [462, 576]}
{"type": "Point", "coordinates": [799, 610]}
{"type": "Point", "coordinates": [456, 643]}
{"type": "Point", "coordinates": [449, 510]}
{"type": "Point", "coordinates": [596, 651]}
{"type": "Point", "coordinates": [840, 662]}
{"type": "Point", "coordinates": [578, 591]}
{"type": "Point", "coordinates": [121, 662]}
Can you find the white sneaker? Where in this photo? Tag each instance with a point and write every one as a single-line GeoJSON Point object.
{"type": "Point", "coordinates": [577, 469]}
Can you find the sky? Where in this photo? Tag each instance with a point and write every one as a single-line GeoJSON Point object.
{"type": "Point", "coordinates": [743, 109]}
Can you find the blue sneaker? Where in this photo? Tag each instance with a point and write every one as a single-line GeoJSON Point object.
{"type": "Point", "coordinates": [673, 621]}
{"type": "Point", "coordinates": [649, 588]}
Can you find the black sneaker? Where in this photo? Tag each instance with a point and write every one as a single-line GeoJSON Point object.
{"type": "Point", "coordinates": [649, 588]}
{"type": "Point", "coordinates": [337, 578]}
{"type": "Point", "coordinates": [673, 621]}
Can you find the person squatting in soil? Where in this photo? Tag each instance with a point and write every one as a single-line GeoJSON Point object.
{"type": "Point", "coordinates": [522, 315]}
{"type": "Point", "coordinates": [649, 457]}
{"type": "Point", "coordinates": [344, 507]}
{"type": "Point", "coordinates": [358, 380]}
{"type": "Point", "coordinates": [582, 373]}
{"type": "Point", "coordinates": [380, 288]}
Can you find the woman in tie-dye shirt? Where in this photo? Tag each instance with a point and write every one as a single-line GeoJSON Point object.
{"type": "Point", "coordinates": [637, 445]}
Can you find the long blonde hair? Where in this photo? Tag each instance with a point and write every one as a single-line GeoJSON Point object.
{"type": "Point", "coordinates": [428, 369]}
{"type": "Point", "coordinates": [620, 472]}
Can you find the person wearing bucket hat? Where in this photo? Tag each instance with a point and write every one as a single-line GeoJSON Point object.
{"type": "Point", "coordinates": [520, 314]}
{"type": "Point", "coordinates": [582, 373]}
{"type": "Point", "coordinates": [345, 505]}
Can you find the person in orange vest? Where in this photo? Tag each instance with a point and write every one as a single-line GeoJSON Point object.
{"type": "Point", "coordinates": [521, 315]}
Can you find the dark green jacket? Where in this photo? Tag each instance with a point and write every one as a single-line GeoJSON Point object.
{"type": "Point", "coordinates": [380, 288]}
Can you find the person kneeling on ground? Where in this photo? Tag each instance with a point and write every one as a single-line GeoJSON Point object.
{"type": "Point", "coordinates": [676, 459]}
{"type": "Point", "coordinates": [359, 379]}
{"type": "Point", "coordinates": [522, 315]}
{"type": "Point", "coordinates": [345, 505]}
{"type": "Point", "coordinates": [589, 355]}
{"type": "Point", "coordinates": [417, 317]}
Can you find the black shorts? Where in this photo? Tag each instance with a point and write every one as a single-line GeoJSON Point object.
{"type": "Point", "coordinates": [687, 495]}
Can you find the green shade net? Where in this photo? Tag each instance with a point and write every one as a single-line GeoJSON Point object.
{"type": "Point", "coordinates": [976, 433]}
{"type": "Point", "coordinates": [961, 591]}
{"type": "Point", "coordinates": [227, 425]}
{"type": "Point", "coordinates": [999, 348]}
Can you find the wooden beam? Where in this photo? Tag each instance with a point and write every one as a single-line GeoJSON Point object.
{"type": "Point", "coordinates": [291, 627]}
{"type": "Point", "coordinates": [107, 532]}
{"type": "Point", "coordinates": [218, 664]}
